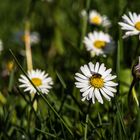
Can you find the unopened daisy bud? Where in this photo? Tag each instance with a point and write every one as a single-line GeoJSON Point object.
{"type": "Point", "coordinates": [10, 66]}
{"type": "Point", "coordinates": [136, 70]}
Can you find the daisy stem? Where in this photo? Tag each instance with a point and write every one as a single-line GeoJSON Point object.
{"type": "Point", "coordinates": [130, 93]}
{"type": "Point", "coordinates": [44, 98]}
{"type": "Point", "coordinates": [84, 24]}
{"type": "Point", "coordinates": [81, 111]}
{"type": "Point", "coordinates": [29, 54]}
{"type": "Point", "coordinates": [136, 51]}
{"type": "Point", "coordinates": [87, 119]}
{"type": "Point", "coordinates": [28, 46]}
{"type": "Point", "coordinates": [86, 127]}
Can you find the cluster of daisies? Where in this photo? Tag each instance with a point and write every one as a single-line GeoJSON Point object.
{"type": "Point", "coordinates": [97, 42]}
{"type": "Point", "coordinates": [95, 80]}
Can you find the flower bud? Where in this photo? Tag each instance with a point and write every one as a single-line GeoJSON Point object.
{"type": "Point", "coordinates": [136, 70]}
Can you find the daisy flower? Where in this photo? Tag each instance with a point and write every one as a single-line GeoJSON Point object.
{"type": "Point", "coordinates": [96, 19]}
{"type": "Point", "coordinates": [97, 42]}
{"type": "Point", "coordinates": [39, 78]}
{"type": "Point", "coordinates": [34, 37]}
{"type": "Point", "coordinates": [131, 24]}
{"type": "Point", "coordinates": [95, 82]}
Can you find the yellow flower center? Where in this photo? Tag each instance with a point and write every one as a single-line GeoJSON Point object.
{"type": "Point", "coordinates": [96, 20]}
{"type": "Point", "coordinates": [36, 81]}
{"type": "Point", "coordinates": [137, 25]}
{"type": "Point", "coordinates": [97, 81]}
{"type": "Point", "coordinates": [99, 44]}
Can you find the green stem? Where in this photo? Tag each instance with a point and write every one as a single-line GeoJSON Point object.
{"type": "Point", "coordinates": [86, 127]}
{"type": "Point", "coordinates": [121, 118]}
{"type": "Point", "coordinates": [130, 93]}
{"type": "Point", "coordinates": [44, 98]}
{"type": "Point", "coordinates": [84, 26]}
{"type": "Point", "coordinates": [81, 111]}
{"type": "Point", "coordinates": [11, 81]}
{"type": "Point", "coordinates": [87, 119]}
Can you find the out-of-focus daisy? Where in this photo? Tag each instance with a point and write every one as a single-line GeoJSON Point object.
{"type": "Point", "coordinates": [95, 82]}
{"type": "Point", "coordinates": [96, 19]}
{"type": "Point", "coordinates": [34, 38]}
{"type": "Point", "coordinates": [131, 24]}
{"type": "Point", "coordinates": [83, 13]}
{"type": "Point", "coordinates": [97, 42]}
{"type": "Point", "coordinates": [20, 37]}
{"type": "Point", "coordinates": [39, 78]}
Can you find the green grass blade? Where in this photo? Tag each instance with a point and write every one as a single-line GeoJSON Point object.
{"type": "Point", "coordinates": [86, 127]}
{"type": "Point", "coordinates": [61, 80]}
{"type": "Point", "coordinates": [44, 98]}
{"type": "Point", "coordinates": [46, 133]}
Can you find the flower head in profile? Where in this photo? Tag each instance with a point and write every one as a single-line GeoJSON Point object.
{"type": "Point", "coordinates": [131, 24]}
{"type": "Point", "coordinates": [95, 82]}
{"type": "Point", "coordinates": [39, 78]}
{"type": "Point", "coordinates": [97, 42]}
{"type": "Point", "coordinates": [136, 70]}
{"type": "Point", "coordinates": [96, 19]}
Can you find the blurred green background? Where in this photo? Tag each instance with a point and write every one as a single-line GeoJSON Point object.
{"type": "Point", "coordinates": [60, 26]}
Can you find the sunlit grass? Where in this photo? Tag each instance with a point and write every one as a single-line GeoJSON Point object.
{"type": "Point", "coordinates": [60, 51]}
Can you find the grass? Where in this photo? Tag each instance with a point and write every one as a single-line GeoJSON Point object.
{"type": "Point", "coordinates": [61, 115]}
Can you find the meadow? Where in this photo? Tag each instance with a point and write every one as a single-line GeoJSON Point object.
{"type": "Point", "coordinates": [70, 70]}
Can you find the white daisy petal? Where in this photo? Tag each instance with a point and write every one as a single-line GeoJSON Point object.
{"type": "Point", "coordinates": [85, 72]}
{"type": "Point", "coordinates": [83, 99]}
{"type": "Point", "coordinates": [108, 78]}
{"type": "Point", "coordinates": [91, 66]}
{"type": "Point", "coordinates": [84, 89]}
{"type": "Point", "coordinates": [96, 67]}
{"type": "Point", "coordinates": [108, 92]}
{"type": "Point", "coordinates": [105, 95]}
{"type": "Point", "coordinates": [81, 76]}
{"type": "Point", "coordinates": [81, 80]}
{"type": "Point", "coordinates": [106, 73]}
{"type": "Point", "coordinates": [93, 98]}
{"type": "Point", "coordinates": [110, 83]}
{"type": "Point", "coordinates": [86, 92]}
{"type": "Point", "coordinates": [102, 69]}
{"type": "Point", "coordinates": [98, 96]}
{"type": "Point", "coordinates": [111, 89]}
{"type": "Point", "coordinates": [91, 93]}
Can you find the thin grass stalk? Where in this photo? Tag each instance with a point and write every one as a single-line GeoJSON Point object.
{"type": "Point", "coordinates": [43, 97]}
{"type": "Point", "coordinates": [86, 127]}
{"type": "Point", "coordinates": [121, 119]}
{"type": "Point", "coordinates": [28, 46]}
{"type": "Point", "coordinates": [84, 26]}
{"type": "Point", "coordinates": [29, 54]}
